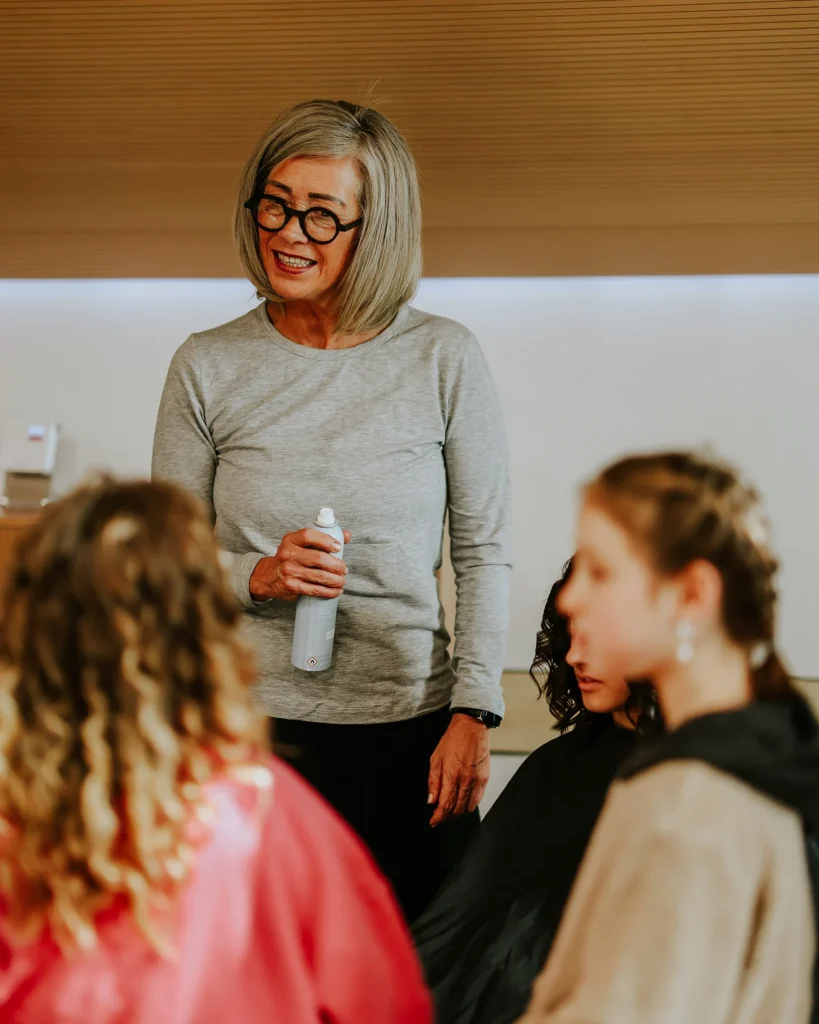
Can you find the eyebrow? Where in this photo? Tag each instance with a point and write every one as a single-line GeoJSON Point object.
{"type": "Point", "coordinates": [310, 195]}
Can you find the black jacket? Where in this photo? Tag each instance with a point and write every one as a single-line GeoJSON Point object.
{"type": "Point", "coordinates": [486, 935]}
{"type": "Point", "coordinates": [772, 746]}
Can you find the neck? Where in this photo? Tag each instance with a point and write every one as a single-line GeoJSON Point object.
{"type": "Point", "coordinates": [622, 720]}
{"type": "Point", "coordinates": [313, 324]}
{"type": "Point", "coordinates": [717, 680]}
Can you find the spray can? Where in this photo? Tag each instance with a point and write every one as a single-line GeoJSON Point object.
{"type": "Point", "coordinates": [316, 616]}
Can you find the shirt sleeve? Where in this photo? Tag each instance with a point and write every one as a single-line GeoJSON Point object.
{"type": "Point", "coordinates": [479, 528]}
{"type": "Point", "coordinates": [184, 452]}
{"type": "Point", "coordinates": [667, 926]}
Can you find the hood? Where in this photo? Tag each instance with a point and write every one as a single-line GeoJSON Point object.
{"type": "Point", "coordinates": [772, 745]}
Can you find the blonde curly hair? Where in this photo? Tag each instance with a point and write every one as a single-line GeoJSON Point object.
{"type": "Point", "coordinates": [123, 689]}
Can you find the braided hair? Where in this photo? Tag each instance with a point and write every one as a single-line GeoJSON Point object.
{"type": "Point", "coordinates": [681, 507]}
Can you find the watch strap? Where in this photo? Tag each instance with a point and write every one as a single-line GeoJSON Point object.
{"type": "Point", "coordinates": [487, 718]}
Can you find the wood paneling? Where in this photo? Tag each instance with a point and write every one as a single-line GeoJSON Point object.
{"type": "Point", "coordinates": [553, 136]}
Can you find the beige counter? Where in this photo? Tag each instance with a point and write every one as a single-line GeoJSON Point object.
{"type": "Point", "coordinates": [12, 528]}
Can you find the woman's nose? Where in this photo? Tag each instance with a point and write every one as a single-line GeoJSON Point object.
{"type": "Point", "coordinates": [292, 232]}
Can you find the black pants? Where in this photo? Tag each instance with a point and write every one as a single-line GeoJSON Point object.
{"type": "Point", "coordinates": [376, 777]}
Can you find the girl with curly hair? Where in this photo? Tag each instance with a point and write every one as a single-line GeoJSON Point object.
{"type": "Point", "coordinates": [156, 863]}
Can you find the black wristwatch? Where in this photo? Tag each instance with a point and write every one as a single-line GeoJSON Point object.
{"type": "Point", "coordinates": [487, 718]}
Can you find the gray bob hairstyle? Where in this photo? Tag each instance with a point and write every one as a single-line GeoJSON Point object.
{"type": "Point", "coordinates": [386, 265]}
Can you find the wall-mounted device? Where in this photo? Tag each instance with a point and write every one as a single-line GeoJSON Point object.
{"type": "Point", "coordinates": [28, 454]}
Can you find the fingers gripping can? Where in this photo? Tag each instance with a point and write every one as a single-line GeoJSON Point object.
{"type": "Point", "coordinates": [316, 616]}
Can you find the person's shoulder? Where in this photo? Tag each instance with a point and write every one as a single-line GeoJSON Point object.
{"type": "Point", "coordinates": [440, 326]}
{"type": "Point", "coordinates": [552, 760]}
{"type": "Point", "coordinates": [313, 856]}
{"type": "Point", "coordinates": [551, 753]}
{"type": "Point", "coordinates": [205, 355]}
{"type": "Point", "coordinates": [537, 779]}
{"type": "Point", "coordinates": [446, 336]}
{"type": "Point", "coordinates": [248, 326]}
{"type": "Point", "coordinates": [241, 797]}
{"type": "Point", "coordinates": [269, 790]}
{"type": "Point", "coordinates": [267, 810]}
{"type": "Point", "coordinates": [296, 797]}
{"type": "Point", "coordinates": [688, 785]}
{"type": "Point", "coordinates": [693, 800]}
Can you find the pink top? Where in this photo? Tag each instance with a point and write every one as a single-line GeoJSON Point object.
{"type": "Point", "coordinates": [285, 920]}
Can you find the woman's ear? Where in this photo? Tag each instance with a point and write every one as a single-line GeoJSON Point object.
{"type": "Point", "coordinates": [700, 592]}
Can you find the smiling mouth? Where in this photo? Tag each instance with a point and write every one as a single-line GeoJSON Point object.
{"type": "Point", "coordinates": [293, 262]}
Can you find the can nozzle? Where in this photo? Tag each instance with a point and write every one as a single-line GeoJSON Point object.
{"type": "Point", "coordinates": [326, 517]}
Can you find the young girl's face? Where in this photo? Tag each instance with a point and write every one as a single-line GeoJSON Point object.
{"type": "Point", "coordinates": [601, 696]}
{"type": "Point", "coordinates": [622, 613]}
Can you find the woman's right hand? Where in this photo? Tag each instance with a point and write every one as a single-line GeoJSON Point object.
{"type": "Point", "coordinates": [304, 564]}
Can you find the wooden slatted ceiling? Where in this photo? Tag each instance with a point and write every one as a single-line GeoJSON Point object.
{"type": "Point", "coordinates": [553, 136]}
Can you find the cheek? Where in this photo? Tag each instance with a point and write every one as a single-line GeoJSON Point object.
{"type": "Point", "coordinates": [622, 637]}
{"type": "Point", "coordinates": [605, 622]}
{"type": "Point", "coordinates": [339, 260]}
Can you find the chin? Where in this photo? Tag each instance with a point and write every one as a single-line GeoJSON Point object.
{"type": "Point", "coordinates": [600, 703]}
{"type": "Point", "coordinates": [288, 289]}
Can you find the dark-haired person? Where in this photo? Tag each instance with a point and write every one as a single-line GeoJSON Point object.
{"type": "Point", "coordinates": [485, 936]}
{"type": "Point", "coordinates": [694, 902]}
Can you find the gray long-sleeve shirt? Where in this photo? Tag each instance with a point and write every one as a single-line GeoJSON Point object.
{"type": "Point", "coordinates": [389, 434]}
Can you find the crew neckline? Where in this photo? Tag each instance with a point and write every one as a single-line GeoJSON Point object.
{"type": "Point", "coordinates": [305, 352]}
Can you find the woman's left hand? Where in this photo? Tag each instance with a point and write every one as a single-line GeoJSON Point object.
{"type": "Point", "coordinates": [459, 769]}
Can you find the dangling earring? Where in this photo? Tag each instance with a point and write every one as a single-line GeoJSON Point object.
{"type": "Point", "coordinates": [760, 653]}
{"type": "Point", "coordinates": [685, 642]}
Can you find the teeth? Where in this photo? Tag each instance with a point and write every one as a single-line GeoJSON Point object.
{"type": "Point", "coordinates": [294, 261]}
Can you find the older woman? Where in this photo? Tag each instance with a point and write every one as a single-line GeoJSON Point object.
{"type": "Point", "coordinates": [334, 391]}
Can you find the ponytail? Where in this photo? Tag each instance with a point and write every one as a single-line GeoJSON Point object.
{"type": "Point", "coordinates": [770, 679]}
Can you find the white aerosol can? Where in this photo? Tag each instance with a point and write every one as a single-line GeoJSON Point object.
{"type": "Point", "coordinates": [316, 616]}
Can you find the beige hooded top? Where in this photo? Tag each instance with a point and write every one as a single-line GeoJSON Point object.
{"type": "Point", "coordinates": [692, 906]}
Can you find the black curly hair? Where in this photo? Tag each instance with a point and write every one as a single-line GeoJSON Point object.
{"type": "Point", "coordinates": [557, 683]}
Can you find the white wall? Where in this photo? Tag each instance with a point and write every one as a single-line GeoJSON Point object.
{"type": "Point", "coordinates": [585, 368]}
{"type": "Point", "coordinates": [589, 368]}
{"type": "Point", "coordinates": [93, 355]}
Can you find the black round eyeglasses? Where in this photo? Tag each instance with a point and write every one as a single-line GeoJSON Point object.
{"type": "Point", "coordinates": [318, 223]}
